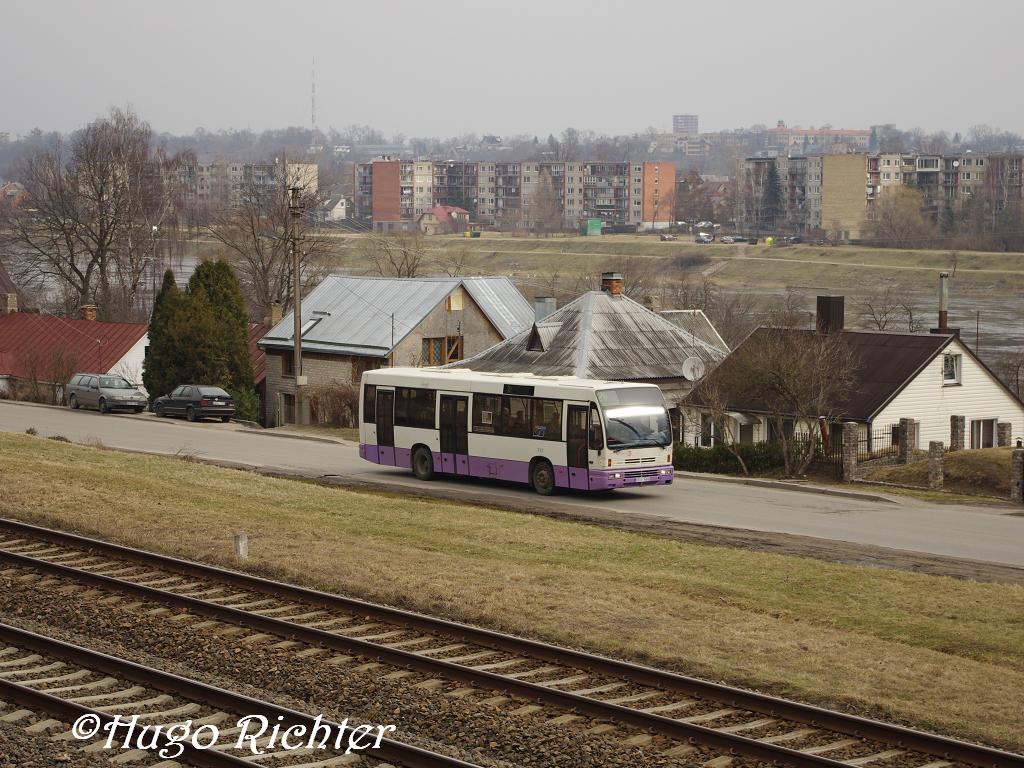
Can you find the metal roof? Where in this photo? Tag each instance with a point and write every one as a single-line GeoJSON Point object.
{"type": "Point", "coordinates": [696, 323]}
{"type": "Point", "coordinates": [42, 346]}
{"type": "Point", "coordinates": [599, 336]}
{"type": "Point", "coordinates": [353, 315]}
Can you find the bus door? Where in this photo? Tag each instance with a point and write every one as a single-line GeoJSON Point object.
{"type": "Point", "coordinates": [386, 426]}
{"type": "Point", "coordinates": [577, 446]}
{"type": "Point", "coordinates": [455, 434]}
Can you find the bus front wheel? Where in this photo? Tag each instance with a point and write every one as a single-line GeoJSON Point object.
{"type": "Point", "coordinates": [543, 477]}
{"type": "Point", "coordinates": [423, 464]}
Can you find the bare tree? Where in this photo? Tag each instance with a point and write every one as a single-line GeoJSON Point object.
{"type": "Point", "coordinates": [880, 310]}
{"type": "Point", "coordinates": [898, 220]}
{"type": "Point", "coordinates": [800, 378]}
{"type": "Point", "coordinates": [256, 234]}
{"type": "Point", "coordinates": [400, 255]}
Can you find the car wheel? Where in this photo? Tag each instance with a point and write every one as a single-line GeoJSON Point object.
{"type": "Point", "coordinates": [158, 410]}
{"type": "Point", "coordinates": [543, 477]}
{"type": "Point", "coordinates": [103, 406]}
{"type": "Point", "coordinates": [225, 419]}
{"type": "Point", "coordinates": [73, 403]}
{"type": "Point", "coordinates": [190, 413]}
{"type": "Point", "coordinates": [423, 464]}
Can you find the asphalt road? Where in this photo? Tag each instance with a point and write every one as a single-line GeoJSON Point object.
{"type": "Point", "coordinates": [989, 534]}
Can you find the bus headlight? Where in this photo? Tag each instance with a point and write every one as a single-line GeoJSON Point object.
{"type": "Point", "coordinates": [617, 475]}
{"type": "Point", "coordinates": [664, 471]}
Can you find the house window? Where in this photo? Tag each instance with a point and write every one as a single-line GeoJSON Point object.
{"type": "Point", "coordinates": [361, 365]}
{"type": "Point", "coordinates": [287, 365]}
{"type": "Point", "coordinates": [983, 433]}
{"type": "Point", "coordinates": [441, 350]}
{"type": "Point", "coordinates": [453, 301]}
{"type": "Point", "coordinates": [951, 369]}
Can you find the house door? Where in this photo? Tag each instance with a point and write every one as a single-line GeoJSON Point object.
{"type": "Point", "coordinates": [577, 446]}
{"type": "Point", "coordinates": [455, 434]}
{"type": "Point", "coordinates": [386, 426]}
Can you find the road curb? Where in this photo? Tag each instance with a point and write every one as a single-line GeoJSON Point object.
{"type": "Point", "coordinates": [293, 436]}
{"type": "Point", "coordinates": [786, 486]}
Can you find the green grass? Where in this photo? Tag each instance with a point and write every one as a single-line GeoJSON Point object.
{"type": "Point", "coordinates": [936, 652]}
{"type": "Point", "coordinates": [983, 472]}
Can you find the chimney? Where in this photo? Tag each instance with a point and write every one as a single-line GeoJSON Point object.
{"type": "Point", "coordinates": [611, 282]}
{"type": "Point", "coordinates": [88, 312]}
{"type": "Point", "coordinates": [943, 326]}
{"type": "Point", "coordinates": [276, 313]}
{"type": "Point", "coordinates": [831, 314]}
{"type": "Point", "coordinates": [8, 303]}
{"type": "Point", "coordinates": [542, 307]}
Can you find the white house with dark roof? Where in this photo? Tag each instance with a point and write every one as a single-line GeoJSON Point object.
{"type": "Point", "coordinates": [354, 324]}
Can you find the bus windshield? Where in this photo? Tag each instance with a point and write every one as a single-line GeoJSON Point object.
{"type": "Point", "coordinates": [635, 418]}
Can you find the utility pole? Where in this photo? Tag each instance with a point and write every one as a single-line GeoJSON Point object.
{"type": "Point", "coordinates": [295, 211]}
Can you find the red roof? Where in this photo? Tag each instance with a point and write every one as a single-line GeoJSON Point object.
{"type": "Point", "coordinates": [44, 346]}
{"type": "Point", "coordinates": [256, 354]}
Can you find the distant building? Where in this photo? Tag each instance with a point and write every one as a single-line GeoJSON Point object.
{"type": "Point", "coordinates": [818, 140]}
{"type": "Point", "coordinates": [443, 220]}
{"type": "Point", "coordinates": [685, 125]}
{"type": "Point", "coordinates": [517, 195]}
{"type": "Point", "coordinates": [335, 208]}
{"type": "Point", "coordinates": [224, 183]}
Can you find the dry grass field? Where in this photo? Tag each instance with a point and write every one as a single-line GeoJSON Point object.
{"type": "Point", "coordinates": [934, 652]}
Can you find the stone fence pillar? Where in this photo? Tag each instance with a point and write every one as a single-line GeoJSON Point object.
{"type": "Point", "coordinates": [957, 425]}
{"type": "Point", "coordinates": [1017, 475]}
{"type": "Point", "coordinates": [1004, 434]}
{"type": "Point", "coordinates": [851, 440]}
{"type": "Point", "coordinates": [907, 439]}
{"type": "Point", "coordinates": [935, 452]}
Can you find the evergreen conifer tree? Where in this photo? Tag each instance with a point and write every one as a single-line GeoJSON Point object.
{"type": "Point", "coordinates": [159, 371]}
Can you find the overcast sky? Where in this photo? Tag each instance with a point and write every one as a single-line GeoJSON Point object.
{"type": "Point", "coordinates": [518, 66]}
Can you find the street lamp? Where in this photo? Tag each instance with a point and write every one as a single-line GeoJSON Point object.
{"type": "Point", "coordinates": [295, 207]}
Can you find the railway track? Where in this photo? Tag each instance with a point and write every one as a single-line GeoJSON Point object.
{"type": "Point", "coordinates": [728, 720]}
{"type": "Point", "coordinates": [56, 683]}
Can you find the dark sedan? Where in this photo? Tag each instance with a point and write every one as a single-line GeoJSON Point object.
{"type": "Point", "coordinates": [196, 401]}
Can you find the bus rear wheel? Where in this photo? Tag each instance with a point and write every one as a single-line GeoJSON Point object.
{"type": "Point", "coordinates": [542, 476]}
{"type": "Point", "coordinates": [423, 464]}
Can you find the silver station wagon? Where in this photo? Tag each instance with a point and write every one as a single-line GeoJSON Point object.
{"type": "Point", "coordinates": [105, 393]}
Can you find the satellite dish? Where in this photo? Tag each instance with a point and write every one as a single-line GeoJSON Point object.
{"type": "Point", "coordinates": [693, 368]}
{"type": "Point", "coordinates": [956, 163]}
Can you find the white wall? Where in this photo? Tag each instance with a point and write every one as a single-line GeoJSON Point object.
{"type": "Point", "coordinates": [130, 366]}
{"type": "Point", "coordinates": [978, 396]}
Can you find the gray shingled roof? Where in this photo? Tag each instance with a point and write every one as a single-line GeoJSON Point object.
{"type": "Point", "coordinates": [353, 314]}
{"type": "Point", "coordinates": [599, 336]}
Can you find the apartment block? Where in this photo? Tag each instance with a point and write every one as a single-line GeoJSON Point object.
{"type": "Point", "coordinates": [223, 183]}
{"type": "Point", "coordinates": [685, 125]}
{"type": "Point", "coordinates": [518, 195]}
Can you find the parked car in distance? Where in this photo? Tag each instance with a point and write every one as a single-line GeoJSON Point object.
{"type": "Point", "coordinates": [703, 239]}
{"type": "Point", "coordinates": [666, 238]}
{"type": "Point", "coordinates": [196, 401]}
{"type": "Point", "coordinates": [727, 239]}
{"type": "Point", "coordinates": [703, 224]}
{"type": "Point", "coordinates": [105, 393]}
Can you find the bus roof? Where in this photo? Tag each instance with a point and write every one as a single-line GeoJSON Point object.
{"type": "Point", "coordinates": [439, 377]}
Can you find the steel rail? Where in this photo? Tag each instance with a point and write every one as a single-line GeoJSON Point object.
{"type": "Point", "coordinates": [852, 725]}
{"type": "Point", "coordinates": [405, 754]}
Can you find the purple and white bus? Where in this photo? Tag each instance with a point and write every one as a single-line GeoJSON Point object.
{"type": "Point", "coordinates": [548, 431]}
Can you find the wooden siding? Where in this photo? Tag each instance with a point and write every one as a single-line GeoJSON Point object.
{"type": "Point", "coordinates": [978, 396]}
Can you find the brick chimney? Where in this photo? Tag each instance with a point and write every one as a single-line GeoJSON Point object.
{"type": "Point", "coordinates": [943, 326]}
{"type": "Point", "coordinates": [611, 282]}
{"type": "Point", "coordinates": [8, 303]}
{"type": "Point", "coordinates": [276, 313]}
{"type": "Point", "coordinates": [831, 314]}
{"type": "Point", "coordinates": [88, 312]}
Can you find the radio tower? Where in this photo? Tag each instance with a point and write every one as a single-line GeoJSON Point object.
{"type": "Point", "coordinates": [313, 99]}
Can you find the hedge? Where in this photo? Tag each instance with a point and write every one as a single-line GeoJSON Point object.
{"type": "Point", "coordinates": [759, 458]}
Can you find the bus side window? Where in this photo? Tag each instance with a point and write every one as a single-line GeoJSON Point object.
{"type": "Point", "coordinates": [596, 432]}
{"type": "Point", "coordinates": [516, 416]}
{"type": "Point", "coordinates": [370, 404]}
{"type": "Point", "coordinates": [486, 413]}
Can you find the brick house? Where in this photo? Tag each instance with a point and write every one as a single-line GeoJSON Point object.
{"type": "Point", "coordinates": [354, 324]}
